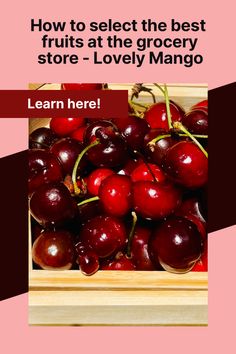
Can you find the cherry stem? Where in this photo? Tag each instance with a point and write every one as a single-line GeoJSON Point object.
{"type": "Point", "coordinates": [160, 88]}
{"type": "Point", "coordinates": [166, 95]}
{"type": "Point", "coordinates": [196, 136]}
{"type": "Point", "coordinates": [167, 107]}
{"type": "Point", "coordinates": [159, 137]}
{"type": "Point", "coordinates": [76, 165]}
{"type": "Point", "coordinates": [93, 199]}
{"type": "Point", "coordinates": [137, 88]}
{"type": "Point", "coordinates": [179, 126]}
{"type": "Point", "coordinates": [131, 234]}
{"type": "Point", "coordinates": [146, 164]}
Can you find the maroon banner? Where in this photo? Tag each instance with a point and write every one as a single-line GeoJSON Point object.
{"type": "Point", "coordinates": [60, 103]}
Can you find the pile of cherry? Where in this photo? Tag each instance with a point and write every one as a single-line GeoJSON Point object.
{"type": "Point", "coordinates": [121, 194]}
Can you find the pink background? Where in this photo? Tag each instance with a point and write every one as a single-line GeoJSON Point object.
{"type": "Point", "coordinates": [18, 67]}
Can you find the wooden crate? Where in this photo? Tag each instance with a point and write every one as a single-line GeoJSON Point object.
{"type": "Point", "coordinates": [116, 297]}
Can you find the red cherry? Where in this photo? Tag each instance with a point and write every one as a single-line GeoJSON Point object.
{"type": "Point", "coordinates": [121, 262]}
{"type": "Point", "coordinates": [65, 126]}
{"type": "Point", "coordinates": [54, 250]}
{"type": "Point", "coordinates": [155, 201]}
{"type": "Point", "coordinates": [87, 259]}
{"type": "Point", "coordinates": [156, 115]}
{"type": "Point", "coordinates": [203, 105]}
{"type": "Point", "coordinates": [79, 86]}
{"type": "Point", "coordinates": [186, 164]}
{"type": "Point", "coordinates": [95, 179]}
{"type": "Point", "coordinates": [78, 134]}
{"type": "Point", "coordinates": [129, 166]}
{"type": "Point", "coordinates": [142, 173]}
{"type": "Point", "coordinates": [139, 249]}
{"type": "Point", "coordinates": [115, 195]}
{"type": "Point", "coordinates": [42, 138]}
{"type": "Point", "coordinates": [176, 244]}
{"type": "Point", "coordinates": [106, 235]}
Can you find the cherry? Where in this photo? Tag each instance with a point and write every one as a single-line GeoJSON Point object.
{"type": "Point", "coordinates": [78, 134]}
{"type": "Point", "coordinates": [120, 262]}
{"type": "Point", "coordinates": [147, 172]}
{"type": "Point", "coordinates": [87, 259]}
{"type": "Point", "coordinates": [67, 150]}
{"type": "Point", "coordinates": [203, 105]}
{"type": "Point", "coordinates": [52, 205]}
{"type": "Point", "coordinates": [186, 164]}
{"type": "Point", "coordinates": [157, 151]}
{"type": "Point", "coordinates": [54, 250]}
{"type": "Point", "coordinates": [196, 121]}
{"type": "Point", "coordinates": [115, 195]}
{"type": "Point", "coordinates": [99, 129]}
{"type": "Point", "coordinates": [155, 201]}
{"type": "Point", "coordinates": [111, 152]}
{"type": "Point", "coordinates": [78, 86]}
{"type": "Point", "coordinates": [133, 130]}
{"type": "Point", "coordinates": [139, 249]}
{"type": "Point", "coordinates": [156, 115]}
{"type": "Point", "coordinates": [106, 235]}
{"type": "Point", "coordinates": [88, 211]}
{"type": "Point", "coordinates": [65, 126]}
{"type": "Point", "coordinates": [176, 244]}
{"type": "Point", "coordinates": [95, 179]}
{"type": "Point", "coordinates": [190, 209]}
{"type": "Point", "coordinates": [42, 138]}
{"type": "Point", "coordinates": [43, 168]}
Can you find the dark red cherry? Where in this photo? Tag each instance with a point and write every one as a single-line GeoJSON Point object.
{"type": "Point", "coordinates": [106, 235]}
{"type": "Point", "coordinates": [80, 86]}
{"type": "Point", "coordinates": [120, 262]}
{"type": "Point", "coordinates": [156, 115]}
{"type": "Point", "coordinates": [133, 130]}
{"type": "Point", "coordinates": [43, 168]}
{"type": "Point", "coordinates": [88, 211]}
{"type": "Point", "coordinates": [87, 259]}
{"type": "Point", "coordinates": [186, 164]}
{"type": "Point", "coordinates": [109, 153]}
{"type": "Point", "coordinates": [190, 209]}
{"type": "Point", "coordinates": [176, 244]}
{"type": "Point", "coordinates": [156, 153]}
{"type": "Point", "coordinates": [155, 201]}
{"type": "Point", "coordinates": [101, 129]}
{"type": "Point", "coordinates": [54, 250]}
{"type": "Point", "coordinates": [115, 195]}
{"type": "Point", "coordinates": [67, 150]}
{"type": "Point", "coordinates": [52, 205]}
{"type": "Point", "coordinates": [196, 121]}
{"type": "Point", "coordinates": [95, 179]}
{"type": "Point", "coordinates": [42, 138]}
{"type": "Point", "coordinates": [147, 172]}
{"type": "Point", "coordinates": [65, 126]}
{"type": "Point", "coordinates": [139, 249]}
